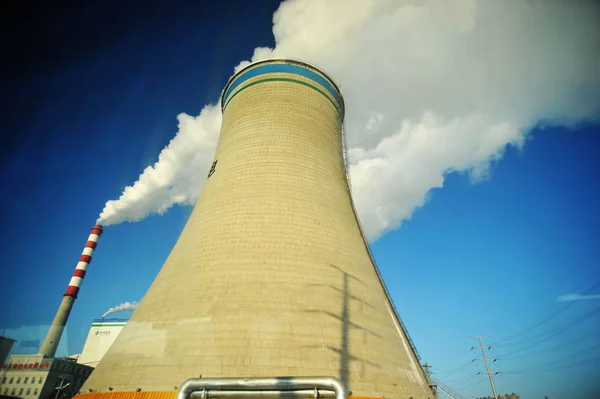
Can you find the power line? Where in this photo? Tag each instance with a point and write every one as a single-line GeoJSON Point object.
{"type": "Point", "coordinates": [457, 369]}
{"type": "Point", "coordinates": [545, 320]}
{"type": "Point", "coordinates": [586, 257]}
{"type": "Point", "coordinates": [545, 336]}
{"type": "Point", "coordinates": [453, 365]}
{"type": "Point", "coordinates": [570, 356]}
{"type": "Point", "coordinates": [449, 391]}
{"type": "Point", "coordinates": [473, 384]}
{"type": "Point", "coordinates": [458, 380]}
{"type": "Point", "coordinates": [557, 347]}
{"type": "Point", "coordinates": [554, 368]}
{"type": "Point", "coordinates": [565, 326]}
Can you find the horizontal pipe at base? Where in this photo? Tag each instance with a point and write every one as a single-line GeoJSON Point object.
{"type": "Point", "coordinates": [161, 395]}
{"type": "Point", "coordinates": [300, 394]}
{"type": "Point", "coordinates": [253, 387]}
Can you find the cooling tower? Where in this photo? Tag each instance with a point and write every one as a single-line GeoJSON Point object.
{"type": "Point", "coordinates": [271, 275]}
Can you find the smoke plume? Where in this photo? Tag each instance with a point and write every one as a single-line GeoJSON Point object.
{"type": "Point", "coordinates": [431, 88]}
{"type": "Point", "coordinates": [124, 306]}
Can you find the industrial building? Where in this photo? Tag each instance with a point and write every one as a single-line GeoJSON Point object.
{"type": "Point", "coordinates": [38, 376]}
{"type": "Point", "coordinates": [100, 337]}
{"type": "Point", "coordinates": [271, 284]}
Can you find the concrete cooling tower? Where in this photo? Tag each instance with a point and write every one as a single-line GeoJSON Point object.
{"type": "Point", "coordinates": [272, 275]}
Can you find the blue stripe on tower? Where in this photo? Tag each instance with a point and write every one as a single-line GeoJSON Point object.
{"type": "Point", "coordinates": [283, 68]}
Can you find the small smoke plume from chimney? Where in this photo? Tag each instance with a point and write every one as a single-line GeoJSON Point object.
{"type": "Point", "coordinates": [124, 306]}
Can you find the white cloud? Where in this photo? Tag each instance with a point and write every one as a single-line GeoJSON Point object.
{"type": "Point", "coordinates": [431, 87]}
{"type": "Point", "coordinates": [576, 297]}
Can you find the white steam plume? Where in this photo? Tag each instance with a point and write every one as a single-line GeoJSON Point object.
{"type": "Point", "coordinates": [124, 306]}
{"type": "Point", "coordinates": [176, 178]}
{"type": "Point", "coordinates": [431, 88]}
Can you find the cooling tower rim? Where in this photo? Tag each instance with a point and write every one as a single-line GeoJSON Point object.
{"type": "Point", "coordinates": [287, 61]}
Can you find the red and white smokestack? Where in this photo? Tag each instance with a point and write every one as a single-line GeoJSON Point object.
{"type": "Point", "coordinates": [50, 344]}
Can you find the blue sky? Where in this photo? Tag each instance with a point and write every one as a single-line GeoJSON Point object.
{"type": "Point", "coordinates": [478, 259]}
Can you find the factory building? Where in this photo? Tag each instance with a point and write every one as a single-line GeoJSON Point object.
{"type": "Point", "coordinates": [100, 337]}
{"type": "Point", "coordinates": [38, 376]}
{"type": "Point", "coordinates": [272, 278]}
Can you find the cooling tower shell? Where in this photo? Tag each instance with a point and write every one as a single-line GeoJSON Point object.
{"type": "Point", "coordinates": [271, 275]}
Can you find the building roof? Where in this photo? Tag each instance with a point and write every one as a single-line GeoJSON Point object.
{"type": "Point", "coordinates": [111, 320]}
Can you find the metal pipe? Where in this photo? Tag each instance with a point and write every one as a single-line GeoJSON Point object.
{"type": "Point", "coordinates": [256, 387]}
{"type": "Point", "coordinates": [300, 394]}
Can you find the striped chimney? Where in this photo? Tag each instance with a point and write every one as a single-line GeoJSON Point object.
{"type": "Point", "coordinates": [50, 344]}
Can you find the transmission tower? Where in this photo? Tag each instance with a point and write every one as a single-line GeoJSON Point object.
{"type": "Point", "coordinates": [485, 359]}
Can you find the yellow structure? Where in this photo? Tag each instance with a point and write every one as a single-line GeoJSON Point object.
{"type": "Point", "coordinates": [272, 275]}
